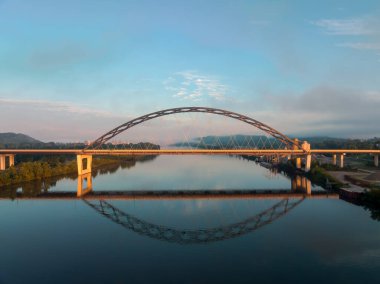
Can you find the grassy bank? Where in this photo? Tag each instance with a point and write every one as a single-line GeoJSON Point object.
{"type": "Point", "coordinates": [42, 170]}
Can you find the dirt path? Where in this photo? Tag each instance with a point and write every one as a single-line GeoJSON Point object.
{"type": "Point", "coordinates": [339, 175]}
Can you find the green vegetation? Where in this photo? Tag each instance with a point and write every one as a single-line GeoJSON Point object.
{"type": "Point", "coordinates": [43, 167]}
{"type": "Point", "coordinates": [29, 171]}
{"type": "Point", "coordinates": [373, 196]}
{"type": "Point", "coordinates": [135, 146]}
{"type": "Point", "coordinates": [331, 167]}
{"type": "Point", "coordinates": [341, 143]}
{"type": "Point", "coordinates": [317, 175]}
{"type": "Point", "coordinates": [371, 201]}
{"type": "Point", "coordinates": [42, 170]}
{"type": "Point", "coordinates": [21, 141]}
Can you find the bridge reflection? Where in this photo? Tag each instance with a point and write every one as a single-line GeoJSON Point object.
{"type": "Point", "coordinates": [84, 184]}
{"type": "Point", "coordinates": [197, 236]}
{"type": "Point", "coordinates": [300, 190]}
{"type": "Point", "coordinates": [299, 185]}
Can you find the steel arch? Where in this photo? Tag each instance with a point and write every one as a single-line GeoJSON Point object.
{"type": "Point", "coordinates": [194, 236]}
{"type": "Point", "coordinates": [116, 131]}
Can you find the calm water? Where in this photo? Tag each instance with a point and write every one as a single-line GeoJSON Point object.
{"type": "Point", "coordinates": [189, 240]}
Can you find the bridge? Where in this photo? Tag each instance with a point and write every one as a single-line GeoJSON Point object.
{"type": "Point", "coordinates": [100, 200]}
{"type": "Point", "coordinates": [289, 149]}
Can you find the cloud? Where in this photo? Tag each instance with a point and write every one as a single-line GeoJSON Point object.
{"type": "Point", "coordinates": [366, 28]}
{"type": "Point", "coordinates": [361, 45]}
{"type": "Point", "coordinates": [348, 27]}
{"type": "Point", "coordinates": [189, 85]}
{"type": "Point", "coordinates": [50, 106]}
{"type": "Point", "coordinates": [56, 121]}
{"type": "Point", "coordinates": [325, 110]}
{"type": "Point", "coordinates": [58, 55]}
{"type": "Point", "coordinates": [322, 110]}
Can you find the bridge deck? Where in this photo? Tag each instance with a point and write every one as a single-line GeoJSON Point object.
{"type": "Point", "coordinates": [186, 152]}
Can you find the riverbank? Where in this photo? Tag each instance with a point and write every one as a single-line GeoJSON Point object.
{"type": "Point", "coordinates": [361, 187]}
{"type": "Point", "coordinates": [357, 186]}
{"type": "Point", "coordinates": [36, 171]}
{"type": "Point", "coordinates": [317, 175]}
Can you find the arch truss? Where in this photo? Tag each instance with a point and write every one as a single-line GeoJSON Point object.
{"type": "Point", "coordinates": [193, 236]}
{"type": "Point", "coordinates": [269, 130]}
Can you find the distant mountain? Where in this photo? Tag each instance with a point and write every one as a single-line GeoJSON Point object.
{"type": "Point", "coordinates": [17, 139]}
{"type": "Point", "coordinates": [318, 139]}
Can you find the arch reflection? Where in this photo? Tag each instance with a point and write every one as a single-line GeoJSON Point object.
{"type": "Point", "coordinates": [198, 236]}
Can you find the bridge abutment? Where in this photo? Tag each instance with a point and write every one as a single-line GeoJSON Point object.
{"type": "Point", "coordinates": [3, 161]}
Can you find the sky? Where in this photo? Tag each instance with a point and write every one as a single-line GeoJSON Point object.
{"type": "Point", "coordinates": [72, 70]}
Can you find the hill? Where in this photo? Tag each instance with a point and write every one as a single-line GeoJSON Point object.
{"type": "Point", "coordinates": [17, 139]}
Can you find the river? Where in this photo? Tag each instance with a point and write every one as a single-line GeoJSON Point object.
{"type": "Point", "coordinates": [191, 240]}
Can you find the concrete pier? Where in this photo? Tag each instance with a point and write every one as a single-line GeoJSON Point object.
{"type": "Point", "coordinates": [341, 160]}
{"type": "Point", "coordinates": [4, 158]}
{"type": "Point", "coordinates": [298, 163]}
{"type": "Point", "coordinates": [334, 159]}
{"type": "Point", "coordinates": [11, 160]}
{"type": "Point", "coordinates": [307, 163]}
{"type": "Point", "coordinates": [297, 159]}
{"type": "Point", "coordinates": [376, 160]}
{"type": "Point", "coordinates": [2, 162]}
{"type": "Point", "coordinates": [306, 147]}
{"type": "Point", "coordinates": [84, 163]}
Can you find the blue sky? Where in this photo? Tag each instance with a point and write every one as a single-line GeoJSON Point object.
{"type": "Point", "coordinates": [70, 70]}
